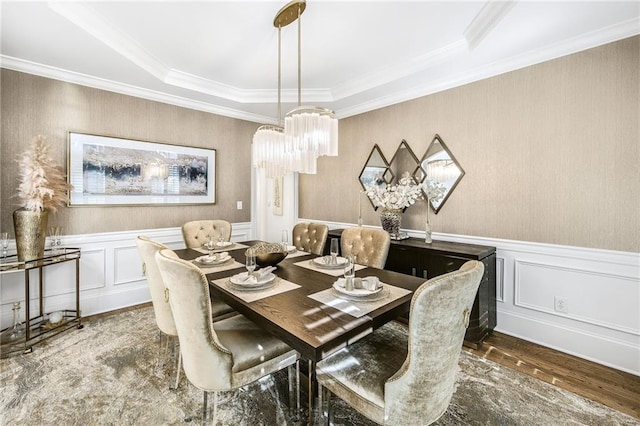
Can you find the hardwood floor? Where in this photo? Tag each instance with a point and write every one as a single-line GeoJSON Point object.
{"type": "Point", "coordinates": [610, 387]}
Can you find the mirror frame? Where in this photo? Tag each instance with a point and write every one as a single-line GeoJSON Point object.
{"type": "Point", "coordinates": [413, 172]}
{"type": "Point", "coordinates": [439, 140]}
{"type": "Point", "coordinates": [375, 149]}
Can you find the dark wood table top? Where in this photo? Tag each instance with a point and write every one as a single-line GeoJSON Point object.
{"type": "Point", "coordinates": [314, 329]}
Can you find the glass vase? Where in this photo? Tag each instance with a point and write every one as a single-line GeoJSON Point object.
{"type": "Point", "coordinates": [17, 331]}
{"type": "Point", "coordinates": [427, 227]}
{"type": "Point", "coordinates": [391, 219]}
{"type": "Point", "coordinates": [427, 232]}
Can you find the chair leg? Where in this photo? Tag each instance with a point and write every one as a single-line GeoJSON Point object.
{"type": "Point", "coordinates": [178, 369]}
{"type": "Point", "coordinates": [206, 409]}
{"type": "Point", "coordinates": [327, 397]}
{"type": "Point", "coordinates": [294, 412]}
{"type": "Point", "coordinates": [291, 384]}
{"type": "Point", "coordinates": [298, 387]}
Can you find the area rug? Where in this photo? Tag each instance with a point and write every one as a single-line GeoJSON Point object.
{"type": "Point", "coordinates": [110, 373]}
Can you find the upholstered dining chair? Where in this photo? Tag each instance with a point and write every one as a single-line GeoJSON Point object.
{"type": "Point", "coordinates": [310, 237]}
{"type": "Point", "coordinates": [399, 378]}
{"type": "Point", "coordinates": [195, 233]}
{"type": "Point", "coordinates": [161, 309]}
{"type": "Point", "coordinates": [222, 355]}
{"type": "Point", "coordinates": [369, 246]}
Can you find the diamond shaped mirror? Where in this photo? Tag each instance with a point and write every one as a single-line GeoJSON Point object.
{"type": "Point", "coordinates": [441, 173]}
{"type": "Point", "coordinates": [375, 170]}
{"type": "Point", "coordinates": [404, 163]}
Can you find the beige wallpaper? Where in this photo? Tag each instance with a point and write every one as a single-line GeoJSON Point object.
{"type": "Point", "coordinates": [551, 153]}
{"type": "Point", "coordinates": [32, 105]}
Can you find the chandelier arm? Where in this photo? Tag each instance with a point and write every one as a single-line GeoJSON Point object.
{"type": "Point", "coordinates": [279, 74]}
{"type": "Point", "coordinates": [299, 56]}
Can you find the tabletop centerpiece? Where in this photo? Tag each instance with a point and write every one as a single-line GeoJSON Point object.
{"type": "Point", "coordinates": [394, 200]}
{"type": "Point", "coordinates": [42, 188]}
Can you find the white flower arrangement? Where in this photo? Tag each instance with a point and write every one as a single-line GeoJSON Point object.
{"type": "Point", "coordinates": [42, 185]}
{"type": "Point", "coordinates": [433, 190]}
{"type": "Point", "coordinates": [399, 196]}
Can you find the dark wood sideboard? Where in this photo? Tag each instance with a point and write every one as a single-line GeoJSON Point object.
{"type": "Point", "coordinates": [415, 257]}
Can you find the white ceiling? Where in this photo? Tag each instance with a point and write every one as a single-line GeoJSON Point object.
{"type": "Point", "coordinates": [221, 56]}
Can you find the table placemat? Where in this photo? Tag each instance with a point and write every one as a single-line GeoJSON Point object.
{"type": "Point", "coordinates": [297, 253]}
{"type": "Point", "coordinates": [219, 268]}
{"type": "Point", "coordinates": [235, 246]}
{"type": "Point", "coordinates": [335, 272]}
{"type": "Point", "coordinates": [357, 309]}
{"type": "Point", "coordinates": [251, 296]}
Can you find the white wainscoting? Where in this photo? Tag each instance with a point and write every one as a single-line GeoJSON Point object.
{"type": "Point", "coordinates": [600, 289]}
{"type": "Point", "coordinates": [110, 273]}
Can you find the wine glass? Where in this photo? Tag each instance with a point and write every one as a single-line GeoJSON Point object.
{"type": "Point", "coordinates": [250, 262]}
{"type": "Point", "coordinates": [59, 233]}
{"type": "Point", "coordinates": [334, 250]}
{"type": "Point", "coordinates": [53, 237]}
{"type": "Point", "coordinates": [210, 245]}
{"type": "Point", "coordinates": [349, 272]}
{"type": "Point", "coordinates": [4, 242]}
{"type": "Point", "coordinates": [285, 239]}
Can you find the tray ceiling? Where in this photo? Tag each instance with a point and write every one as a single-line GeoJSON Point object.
{"type": "Point", "coordinates": [221, 56]}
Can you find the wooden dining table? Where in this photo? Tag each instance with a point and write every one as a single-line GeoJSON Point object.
{"type": "Point", "coordinates": [314, 329]}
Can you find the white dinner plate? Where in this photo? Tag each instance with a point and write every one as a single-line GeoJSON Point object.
{"type": "Point", "coordinates": [224, 244]}
{"type": "Point", "coordinates": [204, 262]}
{"type": "Point", "coordinates": [239, 280]}
{"type": "Point", "coordinates": [356, 292]}
{"type": "Point", "coordinates": [323, 262]}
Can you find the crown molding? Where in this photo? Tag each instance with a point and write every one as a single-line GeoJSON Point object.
{"type": "Point", "coordinates": [486, 20]}
{"type": "Point", "coordinates": [351, 88]}
{"type": "Point", "coordinates": [28, 67]}
{"type": "Point", "coordinates": [103, 31]}
{"type": "Point", "coordinates": [398, 71]}
{"type": "Point", "coordinates": [583, 42]}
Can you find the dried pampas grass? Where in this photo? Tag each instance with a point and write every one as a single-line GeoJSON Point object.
{"type": "Point", "coordinates": [43, 186]}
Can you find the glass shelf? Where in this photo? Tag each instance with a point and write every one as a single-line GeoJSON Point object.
{"type": "Point", "coordinates": [40, 327]}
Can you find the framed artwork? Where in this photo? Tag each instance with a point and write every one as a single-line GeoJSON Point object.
{"type": "Point", "coordinates": [121, 172]}
{"type": "Point", "coordinates": [278, 182]}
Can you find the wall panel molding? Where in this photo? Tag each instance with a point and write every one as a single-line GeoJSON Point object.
{"type": "Point", "coordinates": [108, 267]}
{"type": "Point", "coordinates": [602, 288]}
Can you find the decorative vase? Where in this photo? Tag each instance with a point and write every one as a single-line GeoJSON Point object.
{"type": "Point", "coordinates": [31, 232]}
{"type": "Point", "coordinates": [427, 232]}
{"type": "Point", "coordinates": [391, 220]}
{"type": "Point", "coordinates": [427, 227]}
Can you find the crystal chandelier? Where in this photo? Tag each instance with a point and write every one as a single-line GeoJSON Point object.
{"type": "Point", "coordinates": [269, 141]}
{"type": "Point", "coordinates": [309, 132]}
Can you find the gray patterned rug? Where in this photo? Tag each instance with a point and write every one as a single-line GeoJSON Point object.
{"type": "Point", "coordinates": [108, 374]}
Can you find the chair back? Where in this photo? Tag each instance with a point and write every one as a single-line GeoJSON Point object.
{"type": "Point", "coordinates": [195, 233]}
{"type": "Point", "coordinates": [310, 237]}
{"type": "Point", "coordinates": [439, 316]}
{"type": "Point", "coordinates": [369, 246]}
{"type": "Point", "coordinates": [200, 347]}
{"type": "Point", "coordinates": [148, 249]}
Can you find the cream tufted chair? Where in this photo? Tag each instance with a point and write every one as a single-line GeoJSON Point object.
{"type": "Point", "coordinates": [395, 377]}
{"type": "Point", "coordinates": [164, 319]}
{"type": "Point", "coordinates": [310, 237]}
{"type": "Point", "coordinates": [220, 355]}
{"type": "Point", "coordinates": [369, 246]}
{"type": "Point", "coordinates": [399, 378]}
{"type": "Point", "coordinates": [195, 233]}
